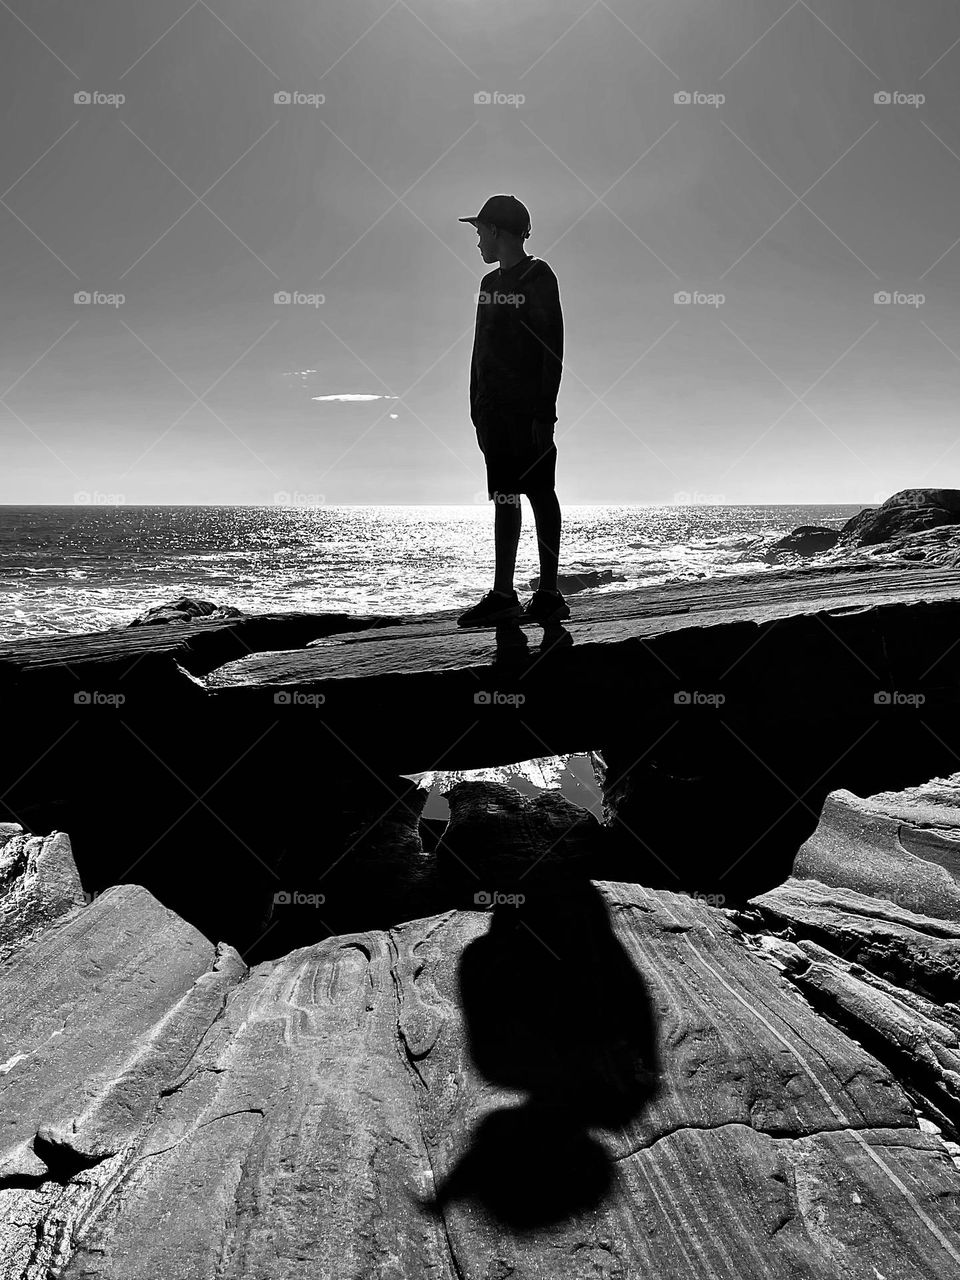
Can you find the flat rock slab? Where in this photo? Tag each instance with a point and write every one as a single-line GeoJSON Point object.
{"type": "Point", "coordinates": [99, 1011]}
{"type": "Point", "coordinates": [432, 641]}
{"type": "Point", "coordinates": [426, 1101]}
{"type": "Point", "coordinates": [197, 646]}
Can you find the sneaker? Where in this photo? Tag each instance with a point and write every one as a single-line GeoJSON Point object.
{"type": "Point", "coordinates": [492, 608]}
{"type": "Point", "coordinates": [544, 607]}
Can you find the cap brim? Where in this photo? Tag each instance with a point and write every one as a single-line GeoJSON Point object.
{"type": "Point", "coordinates": [473, 220]}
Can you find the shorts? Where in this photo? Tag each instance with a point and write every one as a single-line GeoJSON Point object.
{"type": "Point", "coordinates": [514, 464]}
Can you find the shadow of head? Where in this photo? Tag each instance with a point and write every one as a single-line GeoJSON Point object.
{"type": "Point", "coordinates": [553, 1008]}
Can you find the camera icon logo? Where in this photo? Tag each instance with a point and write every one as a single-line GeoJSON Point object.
{"type": "Point", "coordinates": [482, 98]}
{"type": "Point", "coordinates": [282, 298]}
{"type": "Point", "coordinates": [281, 698]}
{"type": "Point", "coordinates": [682, 298]}
{"type": "Point", "coordinates": [882, 698]}
{"type": "Point", "coordinates": [881, 98]}
{"type": "Point", "coordinates": [82, 298]}
{"type": "Point", "coordinates": [882, 298]}
{"type": "Point", "coordinates": [82, 699]}
{"type": "Point", "coordinates": [281, 898]}
{"type": "Point", "coordinates": [82, 98]}
{"type": "Point", "coordinates": [681, 98]}
{"type": "Point", "coordinates": [682, 698]}
{"type": "Point", "coordinates": [482, 898]}
{"type": "Point", "coordinates": [282, 98]}
{"type": "Point", "coordinates": [482, 698]}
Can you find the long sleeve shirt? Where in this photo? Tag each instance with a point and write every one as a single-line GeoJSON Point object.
{"type": "Point", "coordinates": [518, 344]}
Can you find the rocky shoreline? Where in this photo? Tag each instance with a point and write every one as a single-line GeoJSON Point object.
{"type": "Point", "coordinates": [263, 1019]}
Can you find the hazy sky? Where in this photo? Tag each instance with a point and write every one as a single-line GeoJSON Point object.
{"type": "Point", "coordinates": [797, 198]}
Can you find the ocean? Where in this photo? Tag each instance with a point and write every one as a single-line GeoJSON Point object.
{"type": "Point", "coordinates": [86, 568]}
{"type": "Point", "coordinates": [78, 568]}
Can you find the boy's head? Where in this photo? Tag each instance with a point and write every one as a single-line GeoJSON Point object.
{"type": "Point", "coordinates": [492, 241]}
{"type": "Point", "coordinates": [502, 226]}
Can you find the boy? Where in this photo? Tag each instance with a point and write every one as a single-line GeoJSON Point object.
{"type": "Point", "coordinates": [514, 379]}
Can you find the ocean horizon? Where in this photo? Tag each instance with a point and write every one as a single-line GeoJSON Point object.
{"type": "Point", "coordinates": [72, 568]}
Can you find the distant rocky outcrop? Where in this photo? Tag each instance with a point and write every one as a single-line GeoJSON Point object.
{"type": "Point", "coordinates": [912, 526]}
{"type": "Point", "coordinates": [185, 609]}
{"type": "Point", "coordinates": [908, 511]}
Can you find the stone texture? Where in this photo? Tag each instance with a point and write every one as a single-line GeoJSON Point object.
{"type": "Point", "coordinates": [903, 846]}
{"type": "Point", "coordinates": [356, 1112]}
{"type": "Point", "coordinates": [599, 1080]}
{"type": "Point", "coordinates": [38, 883]}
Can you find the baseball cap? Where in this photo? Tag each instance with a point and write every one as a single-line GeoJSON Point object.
{"type": "Point", "coordinates": [506, 212]}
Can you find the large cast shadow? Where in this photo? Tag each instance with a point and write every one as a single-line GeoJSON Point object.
{"type": "Point", "coordinates": [553, 1007]}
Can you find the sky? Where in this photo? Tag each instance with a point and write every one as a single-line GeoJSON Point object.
{"type": "Point", "coordinates": [733, 153]}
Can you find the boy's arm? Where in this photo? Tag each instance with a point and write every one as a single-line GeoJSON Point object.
{"type": "Point", "coordinates": [473, 384]}
{"type": "Point", "coordinates": [545, 321]}
{"type": "Point", "coordinates": [473, 370]}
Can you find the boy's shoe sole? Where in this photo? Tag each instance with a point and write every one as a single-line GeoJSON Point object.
{"type": "Point", "coordinates": [490, 610]}
{"type": "Point", "coordinates": [545, 608]}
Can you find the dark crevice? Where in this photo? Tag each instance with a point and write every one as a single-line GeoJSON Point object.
{"type": "Point", "coordinates": [62, 1161]}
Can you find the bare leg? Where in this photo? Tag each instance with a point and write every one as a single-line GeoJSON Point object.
{"type": "Point", "coordinates": [506, 535]}
{"type": "Point", "coordinates": [546, 513]}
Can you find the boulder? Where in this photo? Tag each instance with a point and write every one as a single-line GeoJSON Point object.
{"type": "Point", "coordinates": [38, 883]}
{"type": "Point", "coordinates": [581, 580]}
{"type": "Point", "coordinates": [908, 511]}
{"type": "Point", "coordinates": [902, 846]}
{"type": "Point", "coordinates": [185, 609]}
{"type": "Point", "coordinates": [806, 540]}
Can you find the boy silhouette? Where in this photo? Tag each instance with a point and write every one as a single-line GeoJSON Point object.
{"type": "Point", "coordinates": [514, 378]}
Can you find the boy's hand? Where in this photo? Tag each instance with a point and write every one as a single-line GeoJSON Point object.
{"type": "Point", "coordinates": [542, 435]}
